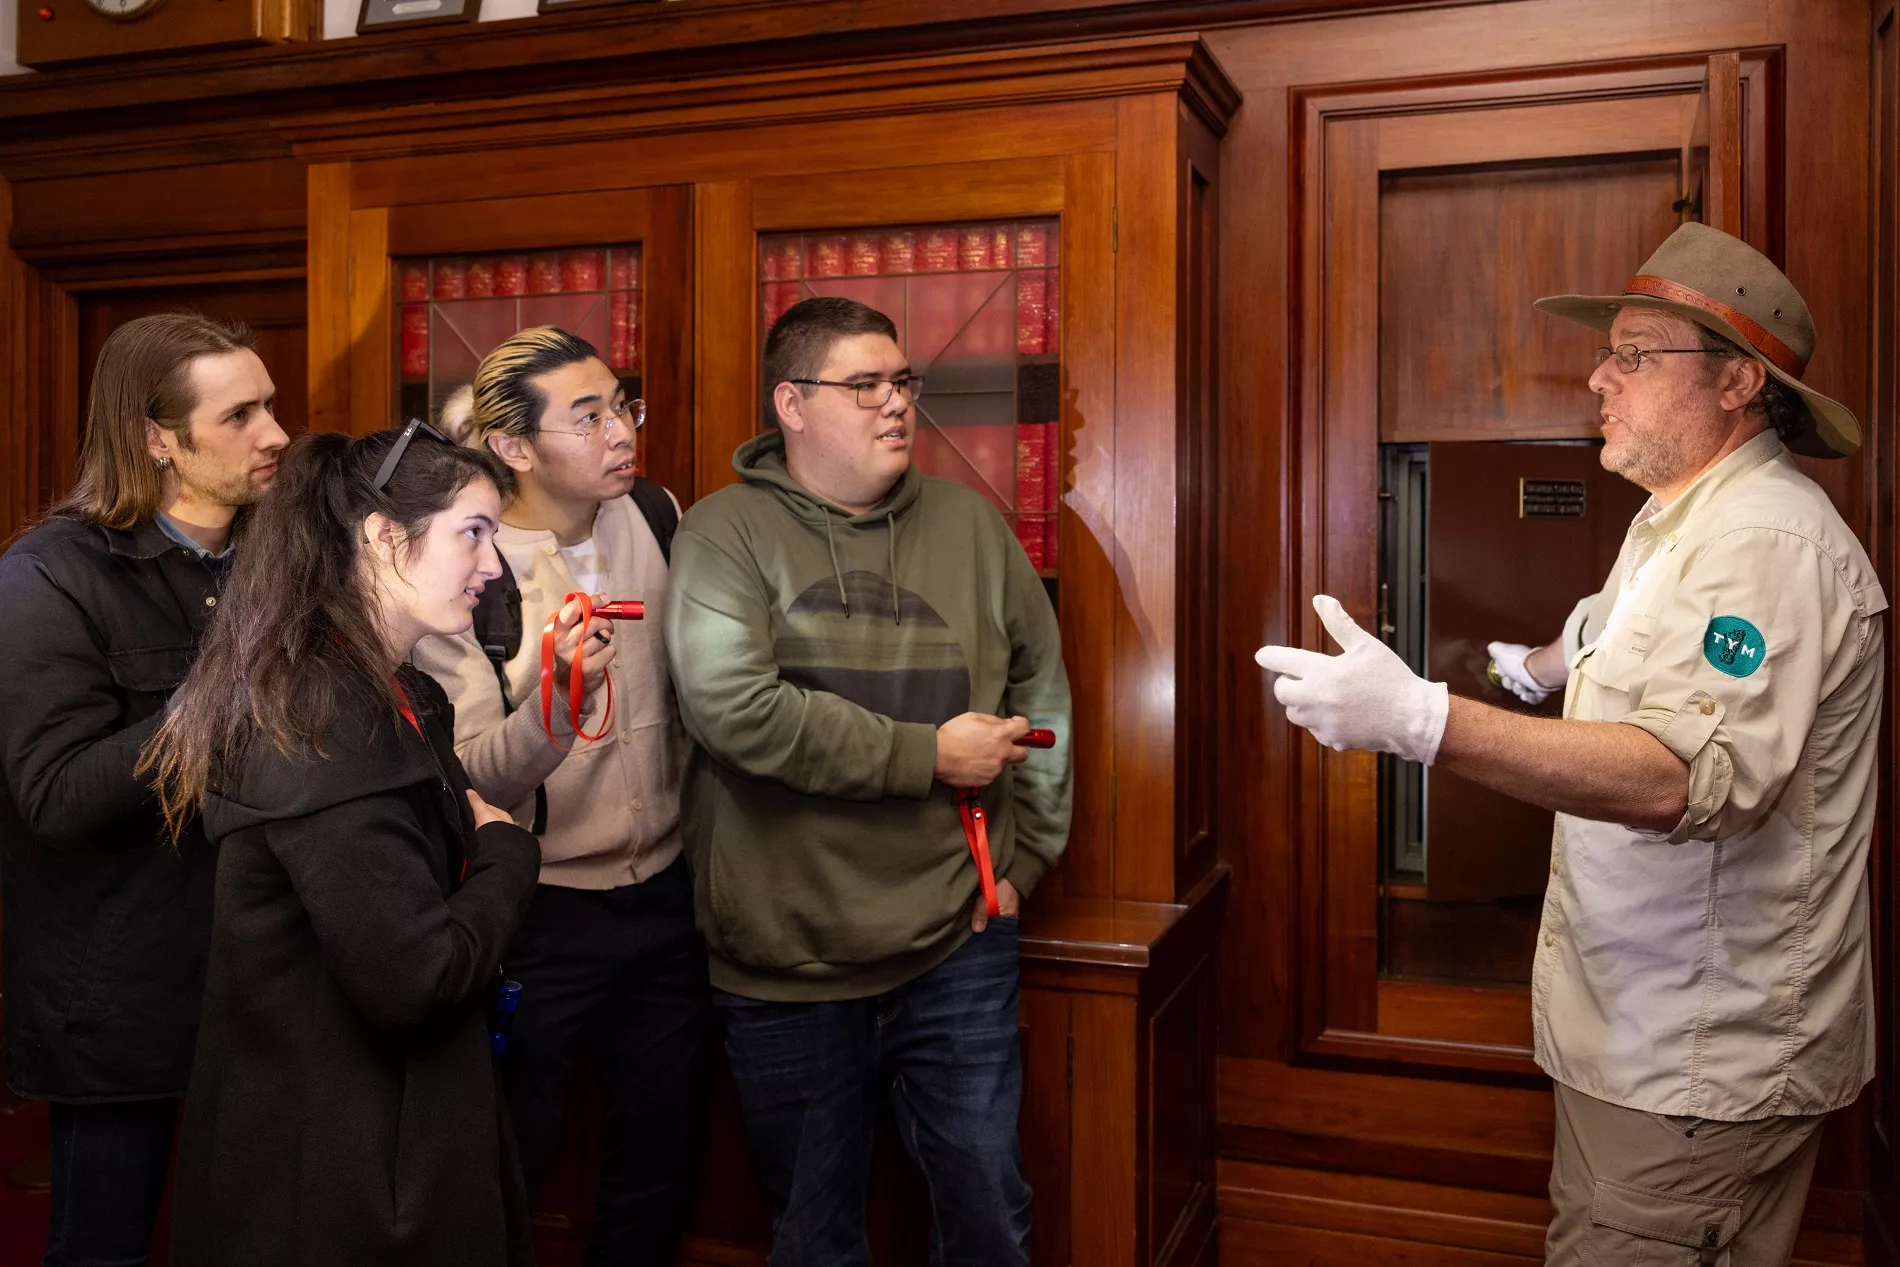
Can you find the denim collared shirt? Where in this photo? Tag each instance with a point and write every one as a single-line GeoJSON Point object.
{"type": "Point", "coordinates": [1722, 969]}
{"type": "Point", "coordinates": [172, 530]}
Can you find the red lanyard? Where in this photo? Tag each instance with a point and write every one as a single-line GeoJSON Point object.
{"type": "Point", "coordinates": [575, 685]}
{"type": "Point", "coordinates": [408, 713]}
{"type": "Point", "coordinates": [976, 830]}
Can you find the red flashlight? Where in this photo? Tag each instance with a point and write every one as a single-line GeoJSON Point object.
{"type": "Point", "coordinates": [622, 609]}
{"type": "Point", "coordinates": [1037, 739]}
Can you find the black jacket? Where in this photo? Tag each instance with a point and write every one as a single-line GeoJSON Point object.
{"type": "Point", "coordinates": [343, 1105]}
{"type": "Point", "coordinates": [105, 922]}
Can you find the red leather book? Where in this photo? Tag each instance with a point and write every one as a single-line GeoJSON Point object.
{"type": "Point", "coordinates": [415, 340]}
{"type": "Point", "coordinates": [900, 251]}
{"type": "Point", "coordinates": [1032, 468]}
{"type": "Point", "coordinates": [544, 275]}
{"type": "Point", "coordinates": [864, 253]}
{"type": "Point", "coordinates": [511, 275]}
{"type": "Point", "coordinates": [451, 279]}
{"type": "Point", "coordinates": [1032, 532]}
{"type": "Point", "coordinates": [617, 327]}
{"type": "Point", "coordinates": [481, 278]}
{"type": "Point", "coordinates": [412, 282]}
{"type": "Point", "coordinates": [1032, 311]}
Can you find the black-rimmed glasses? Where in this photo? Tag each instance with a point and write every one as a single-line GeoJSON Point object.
{"type": "Point", "coordinates": [396, 450]}
{"type": "Point", "coordinates": [1629, 357]}
{"type": "Point", "coordinates": [872, 393]}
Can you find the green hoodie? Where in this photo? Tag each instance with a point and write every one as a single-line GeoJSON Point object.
{"type": "Point", "coordinates": [815, 653]}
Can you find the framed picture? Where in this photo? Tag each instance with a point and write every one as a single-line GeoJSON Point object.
{"type": "Point", "coordinates": [387, 15]}
{"type": "Point", "coordinates": [562, 6]}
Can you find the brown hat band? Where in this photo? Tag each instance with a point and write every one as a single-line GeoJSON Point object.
{"type": "Point", "coordinates": [1675, 292]}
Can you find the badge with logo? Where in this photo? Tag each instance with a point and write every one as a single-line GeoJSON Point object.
{"type": "Point", "coordinates": [1734, 646]}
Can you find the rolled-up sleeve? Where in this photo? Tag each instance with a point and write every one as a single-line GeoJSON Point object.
{"type": "Point", "coordinates": [1758, 631]}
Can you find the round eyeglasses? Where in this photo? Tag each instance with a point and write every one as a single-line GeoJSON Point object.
{"type": "Point", "coordinates": [629, 414]}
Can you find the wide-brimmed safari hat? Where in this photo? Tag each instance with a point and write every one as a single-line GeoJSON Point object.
{"type": "Point", "coordinates": [1723, 283]}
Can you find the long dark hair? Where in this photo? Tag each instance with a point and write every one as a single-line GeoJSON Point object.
{"type": "Point", "coordinates": [144, 373]}
{"type": "Point", "coordinates": [298, 628]}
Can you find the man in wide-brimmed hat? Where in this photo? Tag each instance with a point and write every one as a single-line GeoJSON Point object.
{"type": "Point", "coordinates": [1702, 990]}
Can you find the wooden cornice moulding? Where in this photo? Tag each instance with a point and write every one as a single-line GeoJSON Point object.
{"type": "Point", "coordinates": [703, 38]}
{"type": "Point", "coordinates": [1066, 72]}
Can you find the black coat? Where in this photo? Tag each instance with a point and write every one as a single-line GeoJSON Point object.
{"type": "Point", "coordinates": [343, 1106]}
{"type": "Point", "coordinates": [106, 924]}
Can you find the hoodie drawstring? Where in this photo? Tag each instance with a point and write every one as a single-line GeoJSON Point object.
{"type": "Point", "coordinates": [836, 571]}
{"type": "Point", "coordinates": [831, 544]}
{"type": "Point", "coordinates": [897, 611]}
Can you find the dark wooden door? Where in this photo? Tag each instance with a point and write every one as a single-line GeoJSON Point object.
{"type": "Point", "coordinates": [273, 309]}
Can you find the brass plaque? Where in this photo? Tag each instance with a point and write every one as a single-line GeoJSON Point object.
{"type": "Point", "coordinates": [1550, 499]}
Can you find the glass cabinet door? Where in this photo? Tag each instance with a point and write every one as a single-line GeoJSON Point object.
{"type": "Point", "coordinates": [454, 310]}
{"type": "Point", "coordinates": [977, 309]}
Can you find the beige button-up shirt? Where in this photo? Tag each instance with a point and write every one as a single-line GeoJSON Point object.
{"type": "Point", "coordinates": [613, 803]}
{"type": "Point", "coordinates": [1723, 969]}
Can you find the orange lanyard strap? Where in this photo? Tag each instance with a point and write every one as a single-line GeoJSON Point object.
{"type": "Point", "coordinates": [976, 830]}
{"type": "Point", "coordinates": [408, 713]}
{"type": "Point", "coordinates": [575, 688]}
{"type": "Point", "coordinates": [977, 833]}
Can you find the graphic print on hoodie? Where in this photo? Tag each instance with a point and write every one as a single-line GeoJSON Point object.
{"type": "Point", "coordinates": [921, 679]}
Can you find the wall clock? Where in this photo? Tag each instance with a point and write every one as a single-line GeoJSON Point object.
{"type": "Point", "coordinates": [66, 32]}
{"type": "Point", "coordinates": [123, 10]}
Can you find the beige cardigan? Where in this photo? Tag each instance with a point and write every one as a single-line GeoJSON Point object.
{"type": "Point", "coordinates": [613, 805]}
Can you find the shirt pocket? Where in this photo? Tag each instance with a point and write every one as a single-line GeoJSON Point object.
{"type": "Point", "coordinates": [150, 671]}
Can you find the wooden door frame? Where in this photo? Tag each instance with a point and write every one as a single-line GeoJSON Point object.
{"type": "Point", "coordinates": [40, 409]}
{"type": "Point", "coordinates": [1345, 1009]}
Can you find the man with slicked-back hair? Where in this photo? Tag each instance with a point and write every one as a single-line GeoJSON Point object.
{"type": "Point", "coordinates": [106, 923]}
{"type": "Point", "coordinates": [608, 957]}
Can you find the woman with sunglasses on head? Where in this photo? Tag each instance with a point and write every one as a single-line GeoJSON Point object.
{"type": "Point", "coordinates": [343, 1106]}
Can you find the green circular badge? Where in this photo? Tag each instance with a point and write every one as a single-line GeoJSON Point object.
{"type": "Point", "coordinates": [1734, 646]}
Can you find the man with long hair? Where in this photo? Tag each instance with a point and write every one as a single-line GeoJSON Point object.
{"type": "Point", "coordinates": [106, 923]}
{"type": "Point", "coordinates": [608, 954]}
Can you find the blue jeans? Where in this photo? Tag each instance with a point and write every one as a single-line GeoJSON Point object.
{"type": "Point", "coordinates": [108, 1179]}
{"type": "Point", "coordinates": [944, 1048]}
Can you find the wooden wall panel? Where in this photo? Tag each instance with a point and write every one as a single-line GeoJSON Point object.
{"type": "Point", "coordinates": [728, 313]}
{"type": "Point", "coordinates": [791, 149]}
{"type": "Point", "coordinates": [372, 378]}
{"type": "Point", "coordinates": [1466, 251]}
{"type": "Point", "coordinates": [1147, 224]}
{"type": "Point", "coordinates": [215, 204]}
{"type": "Point", "coordinates": [327, 277]}
{"type": "Point", "coordinates": [1883, 465]}
{"type": "Point", "coordinates": [1086, 474]}
{"type": "Point", "coordinates": [27, 479]}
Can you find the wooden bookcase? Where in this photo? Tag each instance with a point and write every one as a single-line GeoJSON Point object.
{"type": "Point", "coordinates": [1118, 946]}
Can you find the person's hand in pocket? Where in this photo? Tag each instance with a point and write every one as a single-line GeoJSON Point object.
{"type": "Point", "coordinates": [1009, 905]}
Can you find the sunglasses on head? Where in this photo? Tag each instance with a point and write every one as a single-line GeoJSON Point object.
{"type": "Point", "coordinates": [388, 468]}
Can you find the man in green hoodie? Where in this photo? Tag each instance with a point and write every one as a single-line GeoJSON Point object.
{"type": "Point", "coordinates": [853, 643]}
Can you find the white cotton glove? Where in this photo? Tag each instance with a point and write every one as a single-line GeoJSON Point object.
{"type": "Point", "coordinates": [1365, 698]}
{"type": "Point", "coordinates": [1514, 674]}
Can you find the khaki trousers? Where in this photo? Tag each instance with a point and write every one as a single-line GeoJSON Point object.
{"type": "Point", "coordinates": [1635, 1189]}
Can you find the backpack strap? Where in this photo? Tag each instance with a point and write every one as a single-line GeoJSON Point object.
{"type": "Point", "coordinates": [656, 507]}
{"type": "Point", "coordinates": [498, 630]}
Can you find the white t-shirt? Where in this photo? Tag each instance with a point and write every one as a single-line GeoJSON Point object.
{"type": "Point", "coordinates": [588, 566]}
